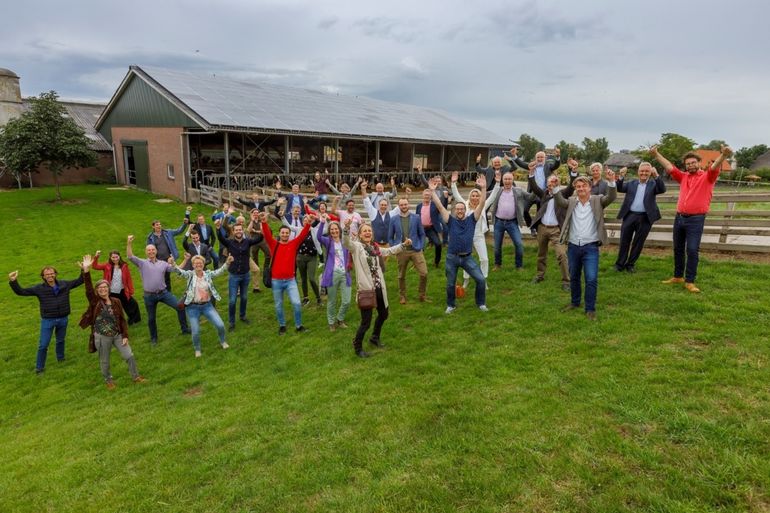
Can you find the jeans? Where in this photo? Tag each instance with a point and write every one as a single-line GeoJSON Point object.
{"type": "Point", "coordinates": [687, 234]}
{"type": "Point", "coordinates": [104, 346]}
{"type": "Point", "coordinates": [584, 259]}
{"type": "Point", "coordinates": [194, 312]}
{"type": "Point", "coordinates": [290, 286]}
{"type": "Point", "coordinates": [339, 283]}
{"type": "Point", "coordinates": [633, 233]}
{"type": "Point", "coordinates": [453, 263]}
{"type": "Point", "coordinates": [235, 283]}
{"type": "Point", "coordinates": [151, 305]}
{"type": "Point", "coordinates": [47, 327]}
{"type": "Point", "coordinates": [511, 227]}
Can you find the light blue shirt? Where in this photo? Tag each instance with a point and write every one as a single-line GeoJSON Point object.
{"type": "Point", "coordinates": [540, 176]}
{"type": "Point", "coordinates": [638, 203]}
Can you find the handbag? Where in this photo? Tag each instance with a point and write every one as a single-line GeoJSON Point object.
{"type": "Point", "coordinates": [267, 269]}
{"type": "Point", "coordinates": [366, 299]}
{"type": "Point", "coordinates": [91, 344]}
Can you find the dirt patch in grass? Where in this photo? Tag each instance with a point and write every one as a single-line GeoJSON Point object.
{"type": "Point", "coordinates": [193, 392]}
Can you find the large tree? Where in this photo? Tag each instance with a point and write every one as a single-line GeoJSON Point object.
{"type": "Point", "coordinates": [672, 146]}
{"type": "Point", "coordinates": [45, 136]}
{"type": "Point", "coordinates": [715, 144]}
{"type": "Point", "coordinates": [745, 157]}
{"type": "Point", "coordinates": [596, 150]}
{"type": "Point", "coordinates": [529, 146]}
{"type": "Point", "coordinates": [569, 150]}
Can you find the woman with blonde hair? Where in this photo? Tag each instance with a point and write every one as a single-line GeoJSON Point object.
{"type": "Point", "coordinates": [199, 295]}
{"type": "Point", "coordinates": [371, 290]}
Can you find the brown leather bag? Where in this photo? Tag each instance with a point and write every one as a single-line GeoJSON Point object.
{"type": "Point", "coordinates": [367, 299]}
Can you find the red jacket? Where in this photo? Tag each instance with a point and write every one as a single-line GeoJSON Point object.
{"type": "Point", "coordinates": [125, 274]}
{"type": "Point", "coordinates": [284, 268]}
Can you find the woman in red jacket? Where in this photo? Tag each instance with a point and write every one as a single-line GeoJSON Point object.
{"type": "Point", "coordinates": [121, 286]}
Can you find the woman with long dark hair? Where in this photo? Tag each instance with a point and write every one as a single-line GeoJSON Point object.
{"type": "Point", "coordinates": [121, 285]}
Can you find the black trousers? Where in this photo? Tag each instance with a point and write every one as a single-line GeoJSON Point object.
{"type": "Point", "coordinates": [130, 306]}
{"type": "Point", "coordinates": [633, 233]}
{"type": "Point", "coordinates": [366, 321]}
{"type": "Point", "coordinates": [432, 234]}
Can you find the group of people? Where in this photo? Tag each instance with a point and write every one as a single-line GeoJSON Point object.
{"type": "Point", "coordinates": [338, 240]}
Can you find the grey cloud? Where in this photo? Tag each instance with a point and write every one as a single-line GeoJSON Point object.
{"type": "Point", "coordinates": [394, 29]}
{"type": "Point", "coordinates": [328, 23]}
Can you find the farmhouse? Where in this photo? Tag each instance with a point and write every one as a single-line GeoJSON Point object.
{"type": "Point", "coordinates": [174, 131]}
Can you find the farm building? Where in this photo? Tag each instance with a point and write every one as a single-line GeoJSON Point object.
{"type": "Point", "coordinates": [175, 131]}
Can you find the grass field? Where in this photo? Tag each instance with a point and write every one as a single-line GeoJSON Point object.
{"type": "Point", "coordinates": [661, 405]}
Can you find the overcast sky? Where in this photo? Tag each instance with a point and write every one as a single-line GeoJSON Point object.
{"type": "Point", "coordinates": [555, 69]}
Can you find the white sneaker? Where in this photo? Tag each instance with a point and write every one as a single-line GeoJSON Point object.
{"type": "Point", "coordinates": [484, 308]}
{"type": "Point", "coordinates": [225, 345]}
{"type": "Point", "coordinates": [449, 309]}
{"type": "Point", "coordinates": [197, 354]}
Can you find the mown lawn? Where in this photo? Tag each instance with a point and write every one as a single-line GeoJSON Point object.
{"type": "Point", "coordinates": [661, 405]}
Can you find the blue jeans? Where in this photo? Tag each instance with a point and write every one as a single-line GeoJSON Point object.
{"type": "Point", "coordinates": [512, 229]}
{"type": "Point", "coordinates": [687, 235]}
{"type": "Point", "coordinates": [584, 260]}
{"type": "Point", "coordinates": [194, 313]}
{"type": "Point", "coordinates": [151, 305]}
{"type": "Point", "coordinates": [235, 283]}
{"type": "Point", "coordinates": [453, 263]}
{"type": "Point", "coordinates": [290, 286]}
{"type": "Point", "coordinates": [47, 327]}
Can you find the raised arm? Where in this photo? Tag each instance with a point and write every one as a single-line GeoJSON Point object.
{"type": "Point", "coordinates": [455, 193]}
{"type": "Point", "coordinates": [667, 165]}
{"type": "Point", "coordinates": [436, 201]}
{"type": "Point", "coordinates": [129, 243]}
{"type": "Point", "coordinates": [612, 191]}
{"type": "Point", "coordinates": [717, 164]}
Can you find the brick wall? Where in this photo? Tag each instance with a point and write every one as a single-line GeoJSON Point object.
{"type": "Point", "coordinates": [163, 148]}
{"type": "Point", "coordinates": [102, 172]}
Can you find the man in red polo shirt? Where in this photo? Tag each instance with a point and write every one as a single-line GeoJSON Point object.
{"type": "Point", "coordinates": [695, 191]}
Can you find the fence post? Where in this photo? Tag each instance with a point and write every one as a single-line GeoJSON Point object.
{"type": "Point", "coordinates": [726, 223]}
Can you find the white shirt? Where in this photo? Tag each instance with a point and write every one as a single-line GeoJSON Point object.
{"type": "Point", "coordinates": [549, 218]}
{"type": "Point", "coordinates": [116, 285]}
{"type": "Point", "coordinates": [583, 229]}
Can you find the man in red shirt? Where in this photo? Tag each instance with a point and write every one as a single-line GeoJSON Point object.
{"type": "Point", "coordinates": [695, 191]}
{"type": "Point", "coordinates": [283, 269]}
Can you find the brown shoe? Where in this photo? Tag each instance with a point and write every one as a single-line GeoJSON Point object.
{"type": "Point", "coordinates": [332, 327]}
{"type": "Point", "coordinates": [424, 299]}
{"type": "Point", "coordinates": [402, 300]}
{"type": "Point", "coordinates": [140, 379]}
{"type": "Point", "coordinates": [110, 385]}
{"type": "Point", "coordinates": [591, 316]}
{"type": "Point", "coordinates": [691, 287]}
{"type": "Point", "coordinates": [673, 280]}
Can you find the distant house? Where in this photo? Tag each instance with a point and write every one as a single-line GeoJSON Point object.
{"type": "Point", "coordinates": [82, 113]}
{"type": "Point", "coordinates": [622, 159]}
{"type": "Point", "coordinates": [763, 161]}
{"type": "Point", "coordinates": [708, 157]}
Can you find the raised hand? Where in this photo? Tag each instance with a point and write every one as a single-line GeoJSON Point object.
{"type": "Point", "coordinates": [263, 217]}
{"type": "Point", "coordinates": [572, 164]}
{"type": "Point", "coordinates": [622, 171]}
{"type": "Point", "coordinates": [13, 275]}
{"type": "Point", "coordinates": [432, 185]}
{"type": "Point", "coordinates": [654, 173]}
{"type": "Point", "coordinates": [218, 223]}
{"type": "Point", "coordinates": [230, 259]}
{"type": "Point", "coordinates": [478, 158]}
{"type": "Point", "coordinates": [392, 182]}
{"type": "Point", "coordinates": [514, 152]}
{"type": "Point", "coordinates": [481, 181]}
{"type": "Point", "coordinates": [307, 219]}
{"type": "Point", "coordinates": [408, 190]}
{"type": "Point", "coordinates": [85, 265]}
{"type": "Point", "coordinates": [187, 256]}
{"type": "Point", "coordinates": [654, 150]}
{"type": "Point", "coordinates": [532, 165]}
{"type": "Point", "coordinates": [498, 175]}
{"type": "Point", "coordinates": [609, 174]}
{"type": "Point", "coordinates": [171, 260]}
{"type": "Point", "coordinates": [726, 150]}
{"type": "Point", "coordinates": [97, 254]}
{"type": "Point", "coordinates": [364, 185]}
{"type": "Point", "coordinates": [455, 175]}
{"type": "Point", "coordinates": [348, 222]}
{"type": "Point", "coordinates": [130, 239]}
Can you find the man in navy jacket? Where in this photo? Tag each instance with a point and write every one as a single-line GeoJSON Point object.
{"type": "Point", "coordinates": [638, 212]}
{"type": "Point", "coordinates": [415, 233]}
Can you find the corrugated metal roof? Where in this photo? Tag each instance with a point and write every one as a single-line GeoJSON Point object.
{"type": "Point", "coordinates": [84, 115]}
{"type": "Point", "coordinates": [227, 103]}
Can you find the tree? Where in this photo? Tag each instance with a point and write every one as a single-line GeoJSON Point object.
{"type": "Point", "coordinates": [672, 146]}
{"type": "Point", "coordinates": [529, 146]}
{"type": "Point", "coordinates": [44, 135]}
{"type": "Point", "coordinates": [569, 150]}
{"type": "Point", "coordinates": [745, 157]}
{"type": "Point", "coordinates": [596, 150]}
{"type": "Point", "coordinates": [715, 144]}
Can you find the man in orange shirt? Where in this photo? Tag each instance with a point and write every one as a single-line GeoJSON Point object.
{"type": "Point", "coordinates": [696, 187]}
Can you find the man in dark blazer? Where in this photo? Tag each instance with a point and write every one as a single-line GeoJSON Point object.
{"type": "Point", "coordinates": [208, 236]}
{"type": "Point", "coordinates": [192, 244]}
{"type": "Point", "coordinates": [639, 211]}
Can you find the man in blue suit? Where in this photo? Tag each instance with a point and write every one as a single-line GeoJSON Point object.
{"type": "Point", "coordinates": [430, 218]}
{"type": "Point", "coordinates": [639, 211]}
{"type": "Point", "coordinates": [406, 226]}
